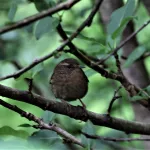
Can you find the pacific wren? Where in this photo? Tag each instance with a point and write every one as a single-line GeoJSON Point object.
{"type": "Point", "coordinates": [68, 81]}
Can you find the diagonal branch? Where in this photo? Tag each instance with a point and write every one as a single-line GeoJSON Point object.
{"type": "Point", "coordinates": [115, 97]}
{"type": "Point", "coordinates": [29, 20]}
{"type": "Point", "coordinates": [34, 86]}
{"type": "Point", "coordinates": [132, 89]}
{"type": "Point", "coordinates": [114, 139]}
{"type": "Point", "coordinates": [60, 48]}
{"type": "Point", "coordinates": [76, 112]}
{"type": "Point", "coordinates": [129, 87]}
{"type": "Point", "coordinates": [41, 124]}
{"type": "Point", "coordinates": [125, 41]}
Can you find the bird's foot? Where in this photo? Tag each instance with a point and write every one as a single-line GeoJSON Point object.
{"type": "Point", "coordinates": [83, 105]}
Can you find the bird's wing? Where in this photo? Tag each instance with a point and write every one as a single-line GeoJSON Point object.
{"type": "Point", "coordinates": [85, 76]}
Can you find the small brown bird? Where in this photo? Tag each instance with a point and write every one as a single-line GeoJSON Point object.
{"type": "Point", "coordinates": [69, 81]}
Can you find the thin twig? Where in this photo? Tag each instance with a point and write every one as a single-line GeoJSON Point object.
{"type": "Point", "coordinates": [34, 63]}
{"type": "Point", "coordinates": [41, 124]}
{"type": "Point", "coordinates": [87, 22]}
{"type": "Point", "coordinates": [59, 49]}
{"type": "Point", "coordinates": [83, 57]}
{"type": "Point", "coordinates": [146, 55]}
{"type": "Point", "coordinates": [141, 90]}
{"type": "Point", "coordinates": [114, 139]}
{"type": "Point", "coordinates": [34, 86]}
{"type": "Point", "coordinates": [31, 19]}
{"type": "Point", "coordinates": [30, 82]}
{"type": "Point", "coordinates": [118, 64]}
{"type": "Point", "coordinates": [125, 41]}
{"type": "Point", "coordinates": [113, 99]}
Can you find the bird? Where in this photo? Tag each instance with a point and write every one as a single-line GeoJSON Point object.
{"type": "Point", "coordinates": [68, 81]}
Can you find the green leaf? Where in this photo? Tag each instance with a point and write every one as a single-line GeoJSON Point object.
{"type": "Point", "coordinates": [25, 75]}
{"type": "Point", "coordinates": [89, 129]}
{"type": "Point", "coordinates": [32, 73]}
{"type": "Point", "coordinates": [44, 4]}
{"type": "Point", "coordinates": [148, 89]}
{"type": "Point", "coordinates": [7, 131]}
{"type": "Point", "coordinates": [14, 144]}
{"type": "Point", "coordinates": [25, 125]}
{"type": "Point", "coordinates": [137, 53]}
{"type": "Point", "coordinates": [29, 28]}
{"type": "Point", "coordinates": [119, 30]}
{"type": "Point", "coordinates": [44, 138]}
{"type": "Point", "coordinates": [119, 19]}
{"type": "Point", "coordinates": [137, 97]}
{"type": "Point", "coordinates": [12, 11]}
{"type": "Point", "coordinates": [48, 116]}
{"type": "Point", "coordinates": [81, 36]}
{"type": "Point", "coordinates": [51, 3]}
{"type": "Point", "coordinates": [35, 70]}
{"type": "Point", "coordinates": [41, 5]}
{"type": "Point", "coordinates": [45, 25]}
{"type": "Point", "coordinates": [90, 72]}
{"type": "Point", "coordinates": [119, 15]}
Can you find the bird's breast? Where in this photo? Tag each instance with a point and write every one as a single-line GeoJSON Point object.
{"type": "Point", "coordinates": [70, 86]}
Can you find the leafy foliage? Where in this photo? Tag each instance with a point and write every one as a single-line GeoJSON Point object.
{"type": "Point", "coordinates": [45, 25]}
{"type": "Point", "coordinates": [136, 54]}
{"type": "Point", "coordinates": [88, 128]}
{"type": "Point", "coordinates": [12, 11]}
{"type": "Point", "coordinates": [40, 38]}
{"type": "Point", "coordinates": [7, 131]}
{"type": "Point", "coordinates": [31, 73]}
{"type": "Point", "coordinates": [48, 116]}
{"type": "Point", "coordinates": [119, 19]}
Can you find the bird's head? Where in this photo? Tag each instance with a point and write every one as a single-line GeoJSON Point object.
{"type": "Point", "coordinates": [70, 63]}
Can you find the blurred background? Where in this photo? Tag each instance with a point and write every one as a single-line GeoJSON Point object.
{"type": "Point", "coordinates": [20, 47]}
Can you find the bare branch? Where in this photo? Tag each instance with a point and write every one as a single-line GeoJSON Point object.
{"type": "Point", "coordinates": [60, 48]}
{"type": "Point", "coordinates": [83, 57]}
{"type": "Point", "coordinates": [118, 64]}
{"type": "Point", "coordinates": [34, 86]}
{"type": "Point", "coordinates": [114, 139]}
{"type": "Point", "coordinates": [129, 87]}
{"type": "Point", "coordinates": [113, 100]}
{"type": "Point", "coordinates": [31, 19]}
{"type": "Point", "coordinates": [76, 112]}
{"type": "Point", "coordinates": [30, 84]}
{"type": "Point", "coordinates": [42, 125]}
{"type": "Point", "coordinates": [94, 65]}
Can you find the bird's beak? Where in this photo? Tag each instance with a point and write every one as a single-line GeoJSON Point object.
{"type": "Point", "coordinates": [81, 66]}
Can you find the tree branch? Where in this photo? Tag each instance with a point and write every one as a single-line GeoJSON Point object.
{"type": "Point", "coordinates": [78, 54]}
{"type": "Point", "coordinates": [31, 19]}
{"type": "Point", "coordinates": [129, 87]}
{"type": "Point", "coordinates": [82, 56]}
{"type": "Point", "coordinates": [114, 139]}
{"type": "Point", "coordinates": [35, 87]}
{"type": "Point", "coordinates": [119, 77]}
{"type": "Point", "coordinates": [60, 48]}
{"type": "Point", "coordinates": [125, 41]}
{"type": "Point", "coordinates": [76, 112]}
{"type": "Point", "coordinates": [41, 124]}
{"type": "Point", "coordinates": [115, 97]}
